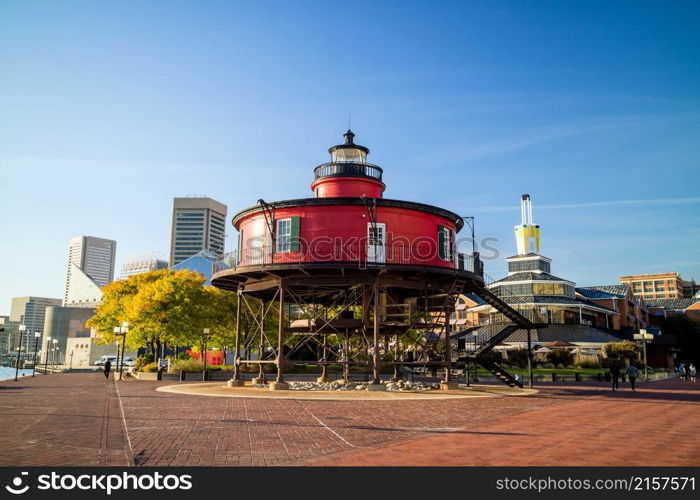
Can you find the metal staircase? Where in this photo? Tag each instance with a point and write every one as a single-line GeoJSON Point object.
{"type": "Point", "coordinates": [499, 372]}
{"type": "Point", "coordinates": [494, 334]}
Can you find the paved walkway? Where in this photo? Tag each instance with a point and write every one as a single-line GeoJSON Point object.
{"type": "Point", "coordinates": [656, 425]}
{"type": "Point", "coordinates": [80, 419]}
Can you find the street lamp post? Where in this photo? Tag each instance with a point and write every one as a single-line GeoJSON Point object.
{"type": "Point", "coordinates": [36, 350]}
{"type": "Point", "coordinates": [645, 339]}
{"type": "Point", "coordinates": [53, 354]}
{"type": "Point", "coordinates": [22, 329]}
{"type": "Point", "coordinates": [205, 336]}
{"type": "Point", "coordinates": [46, 359]}
{"type": "Point", "coordinates": [124, 331]}
{"type": "Point", "coordinates": [117, 332]}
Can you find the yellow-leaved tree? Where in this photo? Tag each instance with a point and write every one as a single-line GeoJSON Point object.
{"type": "Point", "coordinates": [166, 306]}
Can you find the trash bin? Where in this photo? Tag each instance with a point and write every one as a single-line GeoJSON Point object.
{"type": "Point", "coordinates": [159, 376]}
{"type": "Point", "coordinates": [554, 377]}
{"type": "Point", "coordinates": [182, 375]}
{"type": "Point", "coordinates": [205, 375]}
{"type": "Point", "coordinates": [577, 377]}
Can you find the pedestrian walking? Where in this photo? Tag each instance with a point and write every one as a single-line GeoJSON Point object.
{"type": "Point", "coordinates": [632, 373]}
{"type": "Point", "coordinates": [615, 376]}
{"type": "Point", "coordinates": [108, 368]}
{"type": "Point", "coordinates": [681, 371]}
{"type": "Point", "coordinates": [692, 371]}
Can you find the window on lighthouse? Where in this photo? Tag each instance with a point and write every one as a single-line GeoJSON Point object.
{"type": "Point", "coordinates": [348, 155]}
{"type": "Point", "coordinates": [284, 235]}
{"type": "Point", "coordinates": [446, 238]}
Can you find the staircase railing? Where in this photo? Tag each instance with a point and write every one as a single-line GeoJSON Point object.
{"type": "Point", "coordinates": [509, 318]}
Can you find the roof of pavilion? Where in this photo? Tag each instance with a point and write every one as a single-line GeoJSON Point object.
{"type": "Point", "coordinates": [604, 292]}
{"type": "Point", "coordinates": [571, 334]}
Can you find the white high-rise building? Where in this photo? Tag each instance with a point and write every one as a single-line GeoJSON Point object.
{"type": "Point", "coordinates": [90, 267]}
{"type": "Point", "coordinates": [199, 223]}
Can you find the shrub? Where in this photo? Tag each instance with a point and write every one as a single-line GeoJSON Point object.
{"type": "Point", "coordinates": [150, 367]}
{"type": "Point", "coordinates": [187, 365]}
{"type": "Point", "coordinates": [589, 364]}
{"type": "Point", "coordinates": [518, 357]}
{"type": "Point", "coordinates": [560, 357]}
{"type": "Point", "coordinates": [624, 349]}
{"type": "Point", "coordinates": [547, 365]}
{"type": "Point", "coordinates": [142, 361]}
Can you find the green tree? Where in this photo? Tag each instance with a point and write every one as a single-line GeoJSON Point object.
{"type": "Point", "coordinates": [560, 357]}
{"type": "Point", "coordinates": [518, 357]}
{"type": "Point", "coordinates": [623, 349]}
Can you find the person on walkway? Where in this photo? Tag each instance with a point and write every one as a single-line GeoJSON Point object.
{"type": "Point", "coordinates": [615, 376]}
{"type": "Point", "coordinates": [681, 371]}
{"type": "Point", "coordinates": [692, 371]}
{"type": "Point", "coordinates": [632, 373]}
{"type": "Point", "coordinates": [108, 368]}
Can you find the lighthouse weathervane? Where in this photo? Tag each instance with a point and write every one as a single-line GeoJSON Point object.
{"type": "Point", "coordinates": [527, 234]}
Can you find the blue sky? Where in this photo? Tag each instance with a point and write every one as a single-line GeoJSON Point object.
{"type": "Point", "coordinates": [110, 109]}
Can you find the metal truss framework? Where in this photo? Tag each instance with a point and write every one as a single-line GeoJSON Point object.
{"type": "Point", "coordinates": [360, 322]}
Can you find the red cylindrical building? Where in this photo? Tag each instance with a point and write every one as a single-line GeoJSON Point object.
{"type": "Point", "coordinates": [348, 221]}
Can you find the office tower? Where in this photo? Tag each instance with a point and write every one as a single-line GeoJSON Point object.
{"type": "Point", "coordinates": [198, 224]}
{"type": "Point", "coordinates": [90, 267]}
{"type": "Point", "coordinates": [31, 312]}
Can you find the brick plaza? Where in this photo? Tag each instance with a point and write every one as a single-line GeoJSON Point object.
{"type": "Point", "coordinates": [81, 419]}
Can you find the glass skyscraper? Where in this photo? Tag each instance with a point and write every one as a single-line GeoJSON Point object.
{"type": "Point", "coordinates": [199, 223]}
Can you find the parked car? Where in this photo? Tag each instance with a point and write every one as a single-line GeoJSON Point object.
{"type": "Point", "coordinates": [103, 360]}
{"type": "Point", "coordinates": [129, 361]}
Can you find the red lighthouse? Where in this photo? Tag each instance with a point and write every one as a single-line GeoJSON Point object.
{"type": "Point", "coordinates": [345, 267]}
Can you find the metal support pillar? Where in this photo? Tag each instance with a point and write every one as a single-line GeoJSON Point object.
{"type": "Point", "coordinates": [530, 376]}
{"type": "Point", "coordinates": [346, 355]}
{"type": "Point", "coordinates": [448, 349]}
{"type": "Point", "coordinates": [324, 367]}
{"type": "Point", "coordinates": [261, 347]}
{"type": "Point", "coordinates": [397, 374]}
{"type": "Point", "coordinates": [375, 351]}
{"type": "Point", "coordinates": [237, 352]}
{"type": "Point", "coordinates": [280, 337]}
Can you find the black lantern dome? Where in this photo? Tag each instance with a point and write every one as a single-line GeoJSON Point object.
{"type": "Point", "coordinates": [348, 152]}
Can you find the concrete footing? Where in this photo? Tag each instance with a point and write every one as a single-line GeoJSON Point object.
{"type": "Point", "coordinates": [259, 381]}
{"type": "Point", "coordinates": [234, 383]}
{"type": "Point", "coordinates": [278, 386]}
{"type": "Point", "coordinates": [323, 380]}
{"type": "Point", "coordinates": [376, 387]}
{"type": "Point", "coordinates": [449, 386]}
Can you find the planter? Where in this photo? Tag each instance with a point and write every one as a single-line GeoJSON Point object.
{"type": "Point", "coordinates": [147, 375]}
